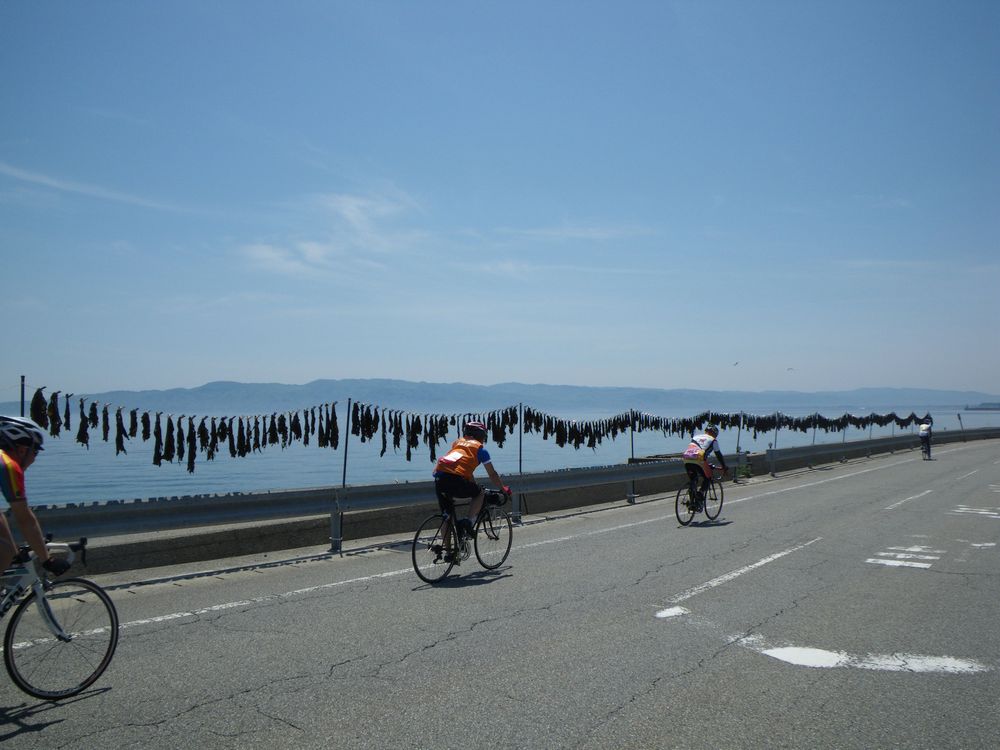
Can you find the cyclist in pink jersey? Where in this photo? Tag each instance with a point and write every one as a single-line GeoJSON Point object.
{"type": "Point", "coordinates": [696, 460]}
{"type": "Point", "coordinates": [20, 441]}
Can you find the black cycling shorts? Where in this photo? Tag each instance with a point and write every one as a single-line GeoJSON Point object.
{"type": "Point", "coordinates": [451, 486]}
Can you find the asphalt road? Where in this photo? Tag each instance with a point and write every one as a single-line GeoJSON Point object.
{"type": "Point", "coordinates": [848, 607]}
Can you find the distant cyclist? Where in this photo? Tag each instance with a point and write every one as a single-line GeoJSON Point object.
{"type": "Point", "coordinates": [925, 436]}
{"type": "Point", "coordinates": [20, 441]}
{"type": "Point", "coordinates": [696, 461]}
{"type": "Point", "coordinates": [453, 474]}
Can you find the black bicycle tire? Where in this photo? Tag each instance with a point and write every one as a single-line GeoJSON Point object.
{"type": "Point", "coordinates": [714, 487]}
{"type": "Point", "coordinates": [680, 501]}
{"type": "Point", "coordinates": [421, 548]}
{"type": "Point", "coordinates": [10, 652]}
{"type": "Point", "coordinates": [482, 534]}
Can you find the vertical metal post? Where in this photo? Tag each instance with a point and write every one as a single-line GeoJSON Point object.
{"type": "Point", "coordinates": [336, 514]}
{"type": "Point", "coordinates": [814, 428]}
{"type": "Point", "coordinates": [961, 426]}
{"type": "Point", "coordinates": [630, 497]}
{"type": "Point", "coordinates": [520, 438]}
{"type": "Point", "coordinates": [347, 437]}
{"type": "Point", "coordinates": [22, 395]}
{"type": "Point", "coordinates": [739, 456]}
{"type": "Point", "coordinates": [520, 461]}
{"type": "Point", "coordinates": [777, 428]}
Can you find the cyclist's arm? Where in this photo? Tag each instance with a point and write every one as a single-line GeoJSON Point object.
{"type": "Point", "coordinates": [494, 476]}
{"type": "Point", "coordinates": [722, 459]}
{"type": "Point", "coordinates": [27, 522]}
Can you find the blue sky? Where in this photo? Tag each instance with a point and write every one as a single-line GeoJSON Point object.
{"type": "Point", "coordinates": [591, 193]}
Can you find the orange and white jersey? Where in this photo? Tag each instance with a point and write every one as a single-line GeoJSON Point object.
{"type": "Point", "coordinates": [463, 458]}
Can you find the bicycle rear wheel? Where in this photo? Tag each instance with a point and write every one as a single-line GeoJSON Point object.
{"type": "Point", "coordinates": [430, 550]}
{"type": "Point", "coordinates": [58, 665]}
{"type": "Point", "coordinates": [683, 506]}
{"type": "Point", "coordinates": [493, 538]}
{"type": "Point", "coordinates": [713, 500]}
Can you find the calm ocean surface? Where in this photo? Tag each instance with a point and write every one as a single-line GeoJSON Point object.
{"type": "Point", "coordinates": [67, 472]}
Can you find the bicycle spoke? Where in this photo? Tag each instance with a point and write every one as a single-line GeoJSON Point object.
{"type": "Point", "coordinates": [57, 646]}
{"type": "Point", "coordinates": [493, 540]}
{"type": "Point", "coordinates": [433, 547]}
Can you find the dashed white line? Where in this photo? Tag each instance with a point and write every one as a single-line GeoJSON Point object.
{"type": "Point", "coordinates": [896, 505]}
{"type": "Point", "coordinates": [671, 611]}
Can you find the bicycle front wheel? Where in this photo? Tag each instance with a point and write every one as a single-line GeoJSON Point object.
{"type": "Point", "coordinates": [430, 551]}
{"type": "Point", "coordinates": [713, 500]}
{"type": "Point", "coordinates": [58, 644]}
{"type": "Point", "coordinates": [493, 538]}
{"type": "Point", "coordinates": [683, 506]}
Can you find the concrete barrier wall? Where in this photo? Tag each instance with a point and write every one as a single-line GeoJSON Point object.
{"type": "Point", "coordinates": [140, 534]}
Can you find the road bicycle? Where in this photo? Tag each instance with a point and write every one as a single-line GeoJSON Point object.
{"type": "Point", "coordinates": [439, 544]}
{"type": "Point", "coordinates": [687, 503]}
{"type": "Point", "coordinates": [925, 449]}
{"type": "Point", "coordinates": [62, 634]}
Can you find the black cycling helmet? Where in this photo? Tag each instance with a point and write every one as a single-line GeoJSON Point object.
{"type": "Point", "coordinates": [712, 430]}
{"type": "Point", "coordinates": [20, 431]}
{"type": "Point", "coordinates": [475, 430]}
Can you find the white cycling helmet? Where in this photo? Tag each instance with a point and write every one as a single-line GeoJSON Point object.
{"type": "Point", "coordinates": [20, 431]}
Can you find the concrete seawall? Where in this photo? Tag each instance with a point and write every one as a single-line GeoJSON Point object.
{"type": "Point", "coordinates": [118, 545]}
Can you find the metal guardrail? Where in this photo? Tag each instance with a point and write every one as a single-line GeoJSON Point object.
{"type": "Point", "coordinates": [177, 513]}
{"type": "Point", "coordinates": [828, 452]}
{"type": "Point", "coordinates": [372, 497]}
{"type": "Point", "coordinates": [110, 518]}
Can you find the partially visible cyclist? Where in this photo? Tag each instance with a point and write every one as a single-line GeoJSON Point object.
{"type": "Point", "coordinates": [925, 431]}
{"type": "Point", "coordinates": [453, 475]}
{"type": "Point", "coordinates": [20, 441]}
{"type": "Point", "coordinates": [696, 461]}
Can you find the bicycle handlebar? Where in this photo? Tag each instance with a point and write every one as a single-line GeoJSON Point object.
{"type": "Point", "coordinates": [24, 553]}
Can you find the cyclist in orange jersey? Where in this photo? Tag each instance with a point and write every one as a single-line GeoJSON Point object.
{"type": "Point", "coordinates": [453, 474]}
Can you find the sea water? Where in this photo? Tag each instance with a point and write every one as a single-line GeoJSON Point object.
{"type": "Point", "coordinates": [67, 472]}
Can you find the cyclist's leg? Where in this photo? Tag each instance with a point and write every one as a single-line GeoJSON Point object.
{"type": "Point", "coordinates": [693, 473]}
{"type": "Point", "coordinates": [8, 547]}
{"type": "Point", "coordinates": [706, 479]}
{"type": "Point", "coordinates": [447, 506]}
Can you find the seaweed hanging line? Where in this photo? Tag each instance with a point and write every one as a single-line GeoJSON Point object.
{"type": "Point", "coordinates": [243, 435]}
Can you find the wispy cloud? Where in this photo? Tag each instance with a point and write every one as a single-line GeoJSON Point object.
{"type": "Point", "coordinates": [526, 270]}
{"type": "Point", "coordinates": [81, 188]}
{"type": "Point", "coordinates": [353, 234]}
{"type": "Point", "coordinates": [570, 232]}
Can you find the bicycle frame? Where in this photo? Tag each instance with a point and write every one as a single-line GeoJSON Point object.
{"type": "Point", "coordinates": [26, 578]}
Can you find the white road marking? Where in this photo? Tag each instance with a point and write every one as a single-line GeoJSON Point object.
{"type": "Point", "coordinates": [896, 505]}
{"type": "Point", "coordinates": [920, 548]}
{"type": "Point", "coordinates": [733, 574]}
{"type": "Point", "coordinates": [988, 512]}
{"type": "Point", "coordinates": [907, 556]}
{"type": "Point", "coordinates": [823, 659]}
{"type": "Point", "coordinates": [967, 475]}
{"type": "Point", "coordinates": [897, 563]}
{"type": "Point", "coordinates": [672, 612]}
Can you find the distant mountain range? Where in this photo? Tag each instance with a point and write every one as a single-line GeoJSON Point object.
{"type": "Point", "coordinates": [232, 398]}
